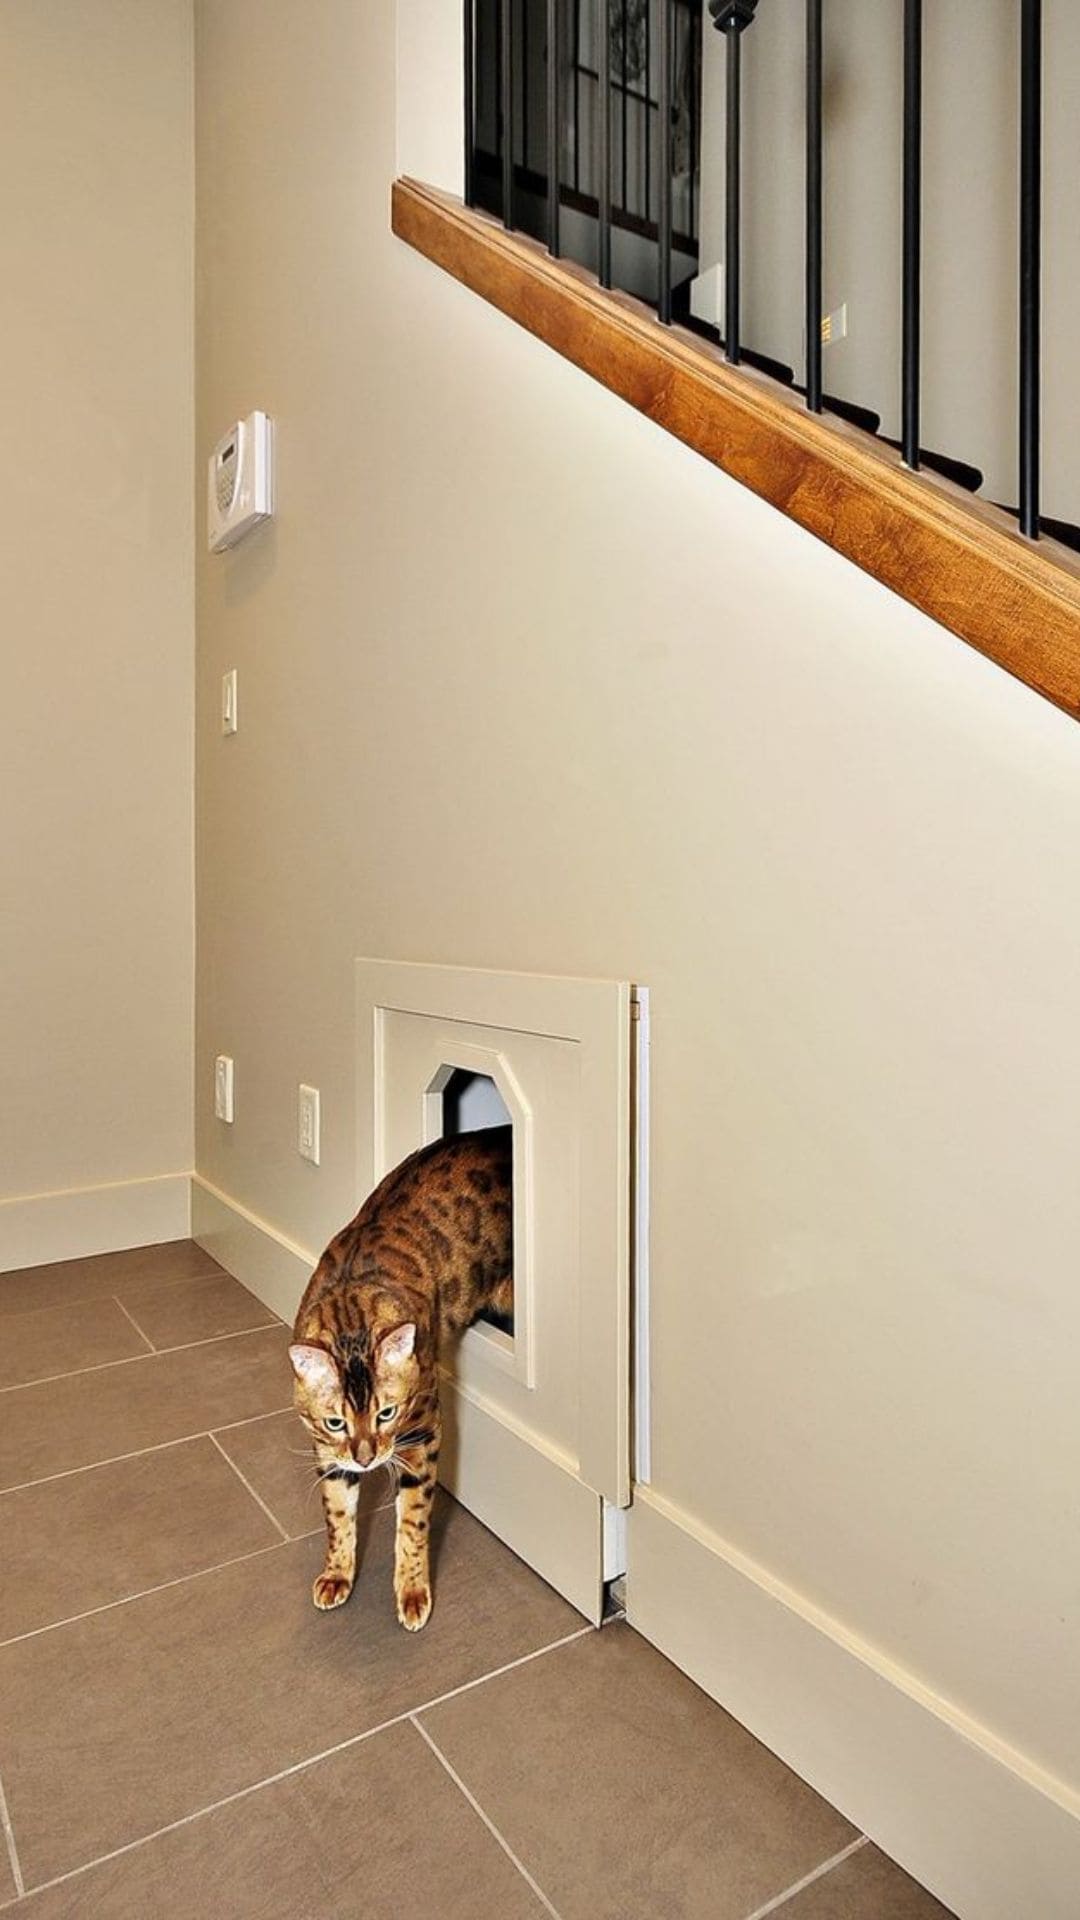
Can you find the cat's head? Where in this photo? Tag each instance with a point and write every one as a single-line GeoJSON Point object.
{"type": "Point", "coordinates": [354, 1407]}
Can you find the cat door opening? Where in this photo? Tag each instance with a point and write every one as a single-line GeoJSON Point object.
{"type": "Point", "coordinates": [470, 1102]}
{"type": "Point", "coordinates": [473, 1087]}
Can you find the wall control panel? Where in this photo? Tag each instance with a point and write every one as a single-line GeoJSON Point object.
{"type": "Point", "coordinates": [240, 482]}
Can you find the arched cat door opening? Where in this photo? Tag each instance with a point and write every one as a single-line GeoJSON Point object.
{"type": "Point", "coordinates": [470, 1102]}
{"type": "Point", "coordinates": [474, 1087]}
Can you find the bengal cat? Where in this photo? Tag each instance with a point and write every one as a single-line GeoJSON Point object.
{"type": "Point", "coordinates": [430, 1250]}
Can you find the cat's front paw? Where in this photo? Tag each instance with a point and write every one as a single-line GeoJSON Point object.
{"type": "Point", "coordinates": [331, 1590]}
{"type": "Point", "coordinates": [414, 1607]}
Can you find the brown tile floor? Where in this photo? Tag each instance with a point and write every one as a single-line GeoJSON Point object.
{"type": "Point", "coordinates": [182, 1734]}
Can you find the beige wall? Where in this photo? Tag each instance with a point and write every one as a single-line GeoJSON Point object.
{"type": "Point", "coordinates": [96, 213]}
{"type": "Point", "coordinates": [524, 684]}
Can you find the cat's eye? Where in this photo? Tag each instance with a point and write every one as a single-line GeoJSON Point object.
{"type": "Point", "coordinates": [334, 1423]}
{"type": "Point", "coordinates": [386, 1413]}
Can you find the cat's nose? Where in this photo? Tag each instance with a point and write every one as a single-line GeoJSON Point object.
{"type": "Point", "coordinates": [365, 1453]}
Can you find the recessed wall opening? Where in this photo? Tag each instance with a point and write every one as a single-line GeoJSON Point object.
{"type": "Point", "coordinates": [471, 1102]}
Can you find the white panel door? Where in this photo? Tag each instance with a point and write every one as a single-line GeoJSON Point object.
{"type": "Point", "coordinates": [537, 1422]}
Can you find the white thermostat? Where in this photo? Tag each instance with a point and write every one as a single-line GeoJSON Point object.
{"type": "Point", "coordinates": [239, 492]}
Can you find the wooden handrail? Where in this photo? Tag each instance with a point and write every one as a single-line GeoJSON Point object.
{"type": "Point", "coordinates": [957, 558]}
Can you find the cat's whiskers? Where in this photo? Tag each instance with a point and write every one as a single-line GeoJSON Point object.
{"type": "Point", "coordinates": [329, 1473]}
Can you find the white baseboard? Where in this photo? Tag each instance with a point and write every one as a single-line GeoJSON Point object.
{"type": "Point", "coordinates": [36, 1228]}
{"type": "Point", "coordinates": [982, 1826]}
{"type": "Point", "coordinates": [271, 1265]}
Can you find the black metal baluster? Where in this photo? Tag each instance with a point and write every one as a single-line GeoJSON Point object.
{"type": "Point", "coordinates": [1030, 261]}
{"type": "Point", "coordinates": [625, 102]}
{"type": "Point", "coordinates": [525, 85]}
{"type": "Point", "coordinates": [731, 18]}
{"type": "Point", "coordinates": [648, 110]}
{"type": "Point", "coordinates": [506, 105]}
{"type": "Point", "coordinates": [603, 142]}
{"type": "Point", "coordinates": [470, 103]}
{"type": "Point", "coordinates": [554, 122]}
{"type": "Point", "coordinates": [693, 29]}
{"type": "Point", "coordinates": [577, 95]}
{"type": "Point", "coordinates": [665, 96]}
{"type": "Point", "coordinates": [733, 201]}
{"type": "Point", "coordinates": [911, 345]}
{"type": "Point", "coordinates": [813, 203]}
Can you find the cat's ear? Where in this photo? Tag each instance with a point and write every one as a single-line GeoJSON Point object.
{"type": "Point", "coordinates": [396, 1346]}
{"type": "Point", "coordinates": [315, 1369]}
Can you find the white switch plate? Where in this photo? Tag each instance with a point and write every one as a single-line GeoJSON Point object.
{"type": "Point", "coordinates": [307, 1123]}
{"type": "Point", "coordinates": [228, 701]}
{"type": "Point", "coordinates": [223, 1087]}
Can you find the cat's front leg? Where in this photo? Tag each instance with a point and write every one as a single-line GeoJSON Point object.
{"type": "Point", "coordinates": [412, 1543]}
{"type": "Point", "coordinates": [340, 1498]}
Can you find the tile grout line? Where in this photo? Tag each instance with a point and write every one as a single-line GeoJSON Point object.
{"type": "Point", "coordinates": [88, 1299]}
{"type": "Point", "coordinates": [126, 1599]}
{"type": "Point", "coordinates": [249, 1419]}
{"type": "Point", "coordinates": [808, 1879]}
{"type": "Point", "coordinates": [142, 1336]}
{"type": "Point", "coordinates": [134, 1359]}
{"type": "Point", "coordinates": [13, 1851]}
{"type": "Point", "coordinates": [158, 1446]}
{"type": "Point", "coordinates": [245, 1482]}
{"type": "Point", "coordinates": [496, 1673]}
{"type": "Point", "coordinates": [489, 1823]}
{"type": "Point", "coordinates": [301, 1766]}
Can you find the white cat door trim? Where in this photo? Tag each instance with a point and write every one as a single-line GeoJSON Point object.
{"type": "Point", "coordinates": [538, 1423]}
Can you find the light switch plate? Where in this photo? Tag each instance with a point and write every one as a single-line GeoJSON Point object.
{"type": "Point", "coordinates": [228, 701]}
{"type": "Point", "coordinates": [307, 1123]}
